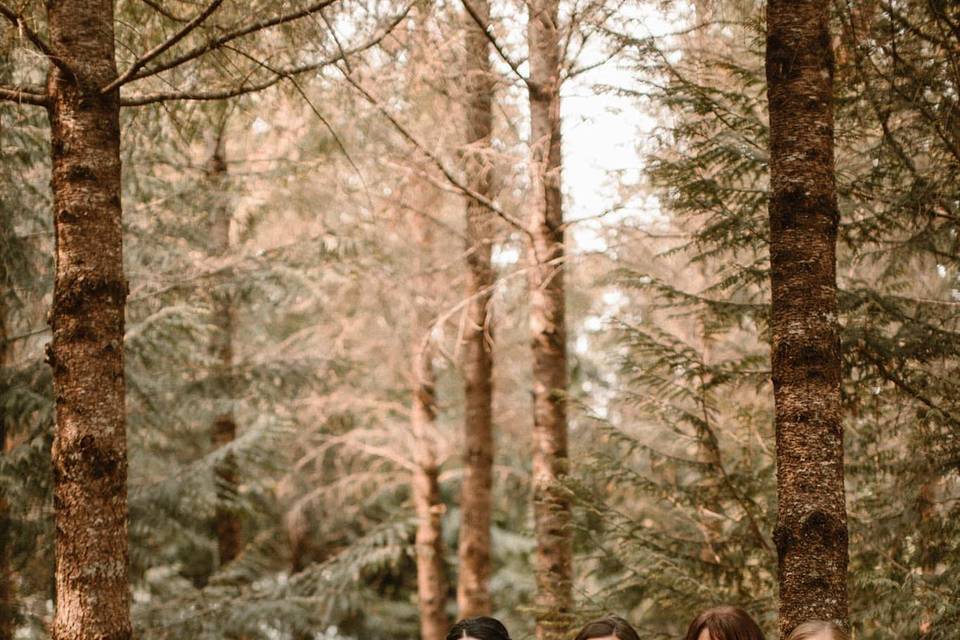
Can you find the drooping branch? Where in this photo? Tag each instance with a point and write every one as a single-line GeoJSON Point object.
{"type": "Point", "coordinates": [216, 43]}
{"type": "Point", "coordinates": [158, 50]}
{"type": "Point", "coordinates": [24, 95]}
{"type": "Point", "coordinates": [250, 86]}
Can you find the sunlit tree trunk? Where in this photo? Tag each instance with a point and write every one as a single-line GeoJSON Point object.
{"type": "Point", "coordinates": [473, 583]}
{"type": "Point", "coordinates": [87, 319]}
{"type": "Point", "coordinates": [811, 530]}
{"type": "Point", "coordinates": [224, 429]}
{"type": "Point", "coordinates": [431, 570]}
{"type": "Point", "coordinates": [553, 565]}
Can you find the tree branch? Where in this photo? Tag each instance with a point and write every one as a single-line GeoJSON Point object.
{"type": "Point", "coordinates": [515, 67]}
{"type": "Point", "coordinates": [247, 86]}
{"type": "Point", "coordinates": [218, 42]}
{"type": "Point", "coordinates": [21, 25]}
{"type": "Point", "coordinates": [24, 95]}
{"type": "Point", "coordinates": [143, 60]}
{"type": "Point", "coordinates": [446, 171]}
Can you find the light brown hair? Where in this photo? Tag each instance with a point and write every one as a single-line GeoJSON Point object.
{"type": "Point", "coordinates": [811, 629]}
{"type": "Point", "coordinates": [610, 626]}
{"type": "Point", "coordinates": [725, 623]}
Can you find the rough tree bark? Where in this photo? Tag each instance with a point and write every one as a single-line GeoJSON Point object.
{"type": "Point", "coordinates": [554, 554]}
{"type": "Point", "coordinates": [811, 530]}
{"type": "Point", "coordinates": [431, 570]}
{"type": "Point", "coordinates": [87, 319]}
{"type": "Point", "coordinates": [473, 579]}
{"type": "Point", "coordinates": [227, 523]}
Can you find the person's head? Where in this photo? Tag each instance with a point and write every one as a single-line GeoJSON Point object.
{"type": "Point", "coordinates": [817, 630]}
{"type": "Point", "coordinates": [724, 623]}
{"type": "Point", "coordinates": [479, 628]}
{"type": "Point", "coordinates": [608, 628]}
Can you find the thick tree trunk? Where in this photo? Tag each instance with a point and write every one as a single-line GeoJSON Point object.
{"type": "Point", "coordinates": [811, 531]}
{"type": "Point", "coordinates": [473, 583]}
{"type": "Point", "coordinates": [554, 554]}
{"type": "Point", "coordinates": [224, 429]}
{"type": "Point", "coordinates": [87, 319]}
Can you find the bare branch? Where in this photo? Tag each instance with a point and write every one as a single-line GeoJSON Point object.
{"type": "Point", "coordinates": [226, 38]}
{"type": "Point", "coordinates": [24, 95]}
{"type": "Point", "coordinates": [158, 50]}
{"type": "Point", "coordinates": [18, 21]}
{"type": "Point", "coordinates": [515, 67]}
{"type": "Point", "coordinates": [248, 86]}
{"type": "Point", "coordinates": [169, 15]}
{"type": "Point", "coordinates": [446, 171]}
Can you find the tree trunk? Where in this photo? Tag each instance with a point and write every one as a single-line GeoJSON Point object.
{"type": "Point", "coordinates": [8, 610]}
{"type": "Point", "coordinates": [87, 319]}
{"type": "Point", "coordinates": [431, 573]}
{"type": "Point", "coordinates": [811, 531]}
{"type": "Point", "coordinates": [431, 570]}
{"type": "Point", "coordinates": [554, 554]}
{"type": "Point", "coordinates": [473, 584]}
{"type": "Point", "coordinates": [224, 429]}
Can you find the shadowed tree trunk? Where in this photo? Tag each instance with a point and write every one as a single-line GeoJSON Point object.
{"type": "Point", "coordinates": [431, 571]}
{"type": "Point", "coordinates": [8, 603]}
{"type": "Point", "coordinates": [87, 319]}
{"type": "Point", "coordinates": [224, 429]}
{"type": "Point", "coordinates": [554, 554]}
{"type": "Point", "coordinates": [811, 531]}
{"type": "Point", "coordinates": [473, 584]}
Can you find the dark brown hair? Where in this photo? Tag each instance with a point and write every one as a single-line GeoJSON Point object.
{"type": "Point", "coordinates": [609, 626]}
{"type": "Point", "coordinates": [725, 623]}
{"type": "Point", "coordinates": [479, 628]}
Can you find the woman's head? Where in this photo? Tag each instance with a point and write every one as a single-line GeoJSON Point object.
{"type": "Point", "coordinates": [609, 628]}
{"type": "Point", "coordinates": [724, 623]}
{"type": "Point", "coordinates": [480, 628]}
{"type": "Point", "coordinates": [817, 630]}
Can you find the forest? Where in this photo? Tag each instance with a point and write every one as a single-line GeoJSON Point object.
{"type": "Point", "coordinates": [350, 319]}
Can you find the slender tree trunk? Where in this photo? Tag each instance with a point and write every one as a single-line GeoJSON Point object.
{"type": "Point", "coordinates": [473, 583]}
{"type": "Point", "coordinates": [90, 448]}
{"type": "Point", "coordinates": [554, 554]}
{"type": "Point", "coordinates": [431, 570]}
{"type": "Point", "coordinates": [224, 429]}
{"type": "Point", "coordinates": [8, 610]}
{"type": "Point", "coordinates": [811, 531]}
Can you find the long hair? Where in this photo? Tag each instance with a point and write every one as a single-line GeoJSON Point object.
{"type": "Point", "coordinates": [725, 623]}
{"type": "Point", "coordinates": [609, 626]}
{"type": "Point", "coordinates": [479, 628]}
{"type": "Point", "coordinates": [811, 629]}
